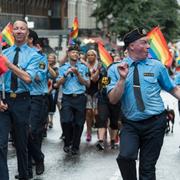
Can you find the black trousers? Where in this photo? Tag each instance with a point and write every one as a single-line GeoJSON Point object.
{"type": "Point", "coordinates": [143, 137]}
{"type": "Point", "coordinates": [18, 114]}
{"type": "Point", "coordinates": [39, 109]}
{"type": "Point", "coordinates": [73, 118]}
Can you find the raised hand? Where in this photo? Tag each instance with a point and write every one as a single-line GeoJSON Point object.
{"type": "Point", "coordinates": [123, 70]}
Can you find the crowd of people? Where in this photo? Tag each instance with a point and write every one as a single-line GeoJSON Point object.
{"type": "Point", "coordinates": [125, 98]}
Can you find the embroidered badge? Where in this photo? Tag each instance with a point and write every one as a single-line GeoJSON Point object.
{"type": "Point", "coordinates": [42, 65]}
{"type": "Point", "coordinates": [105, 81]}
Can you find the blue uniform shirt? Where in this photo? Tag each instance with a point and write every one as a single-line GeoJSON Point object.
{"type": "Point", "coordinates": [153, 77]}
{"type": "Point", "coordinates": [28, 61]}
{"type": "Point", "coordinates": [40, 82]}
{"type": "Point", "coordinates": [177, 78]}
{"type": "Point", "coordinates": [72, 84]}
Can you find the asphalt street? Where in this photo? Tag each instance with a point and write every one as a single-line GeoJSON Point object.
{"type": "Point", "coordinates": [94, 165]}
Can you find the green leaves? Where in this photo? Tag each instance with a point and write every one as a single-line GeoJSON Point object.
{"type": "Point", "coordinates": [121, 16]}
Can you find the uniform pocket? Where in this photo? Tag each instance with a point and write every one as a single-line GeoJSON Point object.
{"type": "Point", "coordinates": [150, 80]}
{"type": "Point", "coordinates": [150, 84]}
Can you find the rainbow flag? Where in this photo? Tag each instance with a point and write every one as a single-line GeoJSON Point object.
{"type": "Point", "coordinates": [104, 55]}
{"type": "Point", "coordinates": [3, 67]}
{"type": "Point", "coordinates": [74, 31]}
{"type": "Point", "coordinates": [158, 47]}
{"type": "Point", "coordinates": [7, 34]}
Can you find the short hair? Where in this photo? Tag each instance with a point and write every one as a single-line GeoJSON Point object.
{"type": "Point", "coordinates": [33, 34]}
{"type": "Point", "coordinates": [23, 20]}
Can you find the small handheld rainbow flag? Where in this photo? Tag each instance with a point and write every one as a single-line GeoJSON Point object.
{"type": "Point", "coordinates": [7, 34]}
{"type": "Point", "coordinates": [158, 47]}
{"type": "Point", "coordinates": [74, 31]}
{"type": "Point", "coordinates": [104, 55]}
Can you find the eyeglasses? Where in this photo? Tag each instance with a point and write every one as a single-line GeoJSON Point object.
{"type": "Point", "coordinates": [90, 54]}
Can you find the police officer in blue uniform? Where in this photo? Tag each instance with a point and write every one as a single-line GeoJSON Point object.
{"type": "Point", "coordinates": [22, 62]}
{"type": "Point", "coordinates": [74, 77]}
{"type": "Point", "coordinates": [137, 82]}
{"type": "Point", "coordinates": [39, 107]}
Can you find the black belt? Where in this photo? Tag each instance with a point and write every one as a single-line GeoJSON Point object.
{"type": "Point", "coordinates": [42, 95]}
{"type": "Point", "coordinates": [13, 95]}
{"type": "Point", "coordinates": [73, 95]}
{"type": "Point", "coordinates": [152, 118]}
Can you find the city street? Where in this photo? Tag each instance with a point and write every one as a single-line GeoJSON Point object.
{"type": "Point", "coordinates": [94, 165]}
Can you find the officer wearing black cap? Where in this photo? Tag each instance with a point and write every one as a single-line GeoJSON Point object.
{"type": "Point", "coordinates": [137, 82]}
{"type": "Point", "coordinates": [74, 77]}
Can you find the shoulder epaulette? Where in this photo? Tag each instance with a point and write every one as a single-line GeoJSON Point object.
{"type": "Point", "coordinates": [113, 64]}
{"type": "Point", "coordinates": [62, 64]}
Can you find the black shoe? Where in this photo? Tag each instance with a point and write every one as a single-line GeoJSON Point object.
{"type": "Point", "coordinates": [66, 149]}
{"type": "Point", "coordinates": [100, 145]}
{"type": "Point", "coordinates": [44, 133]}
{"type": "Point", "coordinates": [39, 167]}
{"type": "Point", "coordinates": [30, 176]}
{"type": "Point", "coordinates": [74, 152]}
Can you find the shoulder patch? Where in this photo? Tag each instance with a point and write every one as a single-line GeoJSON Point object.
{"type": "Point", "coordinates": [42, 65]}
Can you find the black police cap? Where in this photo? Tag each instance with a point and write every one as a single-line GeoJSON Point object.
{"type": "Point", "coordinates": [133, 36]}
{"type": "Point", "coordinates": [74, 47]}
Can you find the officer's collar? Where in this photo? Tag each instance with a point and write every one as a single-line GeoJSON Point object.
{"type": "Point", "coordinates": [21, 47]}
{"type": "Point", "coordinates": [130, 61]}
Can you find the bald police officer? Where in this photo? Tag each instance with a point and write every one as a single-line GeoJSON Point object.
{"type": "Point", "coordinates": [137, 82]}
{"type": "Point", "coordinates": [22, 63]}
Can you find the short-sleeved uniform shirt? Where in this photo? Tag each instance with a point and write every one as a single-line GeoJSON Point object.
{"type": "Point", "coordinates": [72, 84]}
{"type": "Point", "coordinates": [28, 61]}
{"type": "Point", "coordinates": [153, 77]}
{"type": "Point", "coordinates": [40, 82]}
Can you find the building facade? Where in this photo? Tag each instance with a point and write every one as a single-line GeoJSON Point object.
{"type": "Point", "coordinates": [48, 14]}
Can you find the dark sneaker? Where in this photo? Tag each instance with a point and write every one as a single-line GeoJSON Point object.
{"type": "Point", "coordinates": [100, 146]}
{"type": "Point", "coordinates": [88, 137]}
{"type": "Point", "coordinates": [113, 145]}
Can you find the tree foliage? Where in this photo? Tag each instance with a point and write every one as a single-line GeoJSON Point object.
{"type": "Point", "coordinates": [120, 16]}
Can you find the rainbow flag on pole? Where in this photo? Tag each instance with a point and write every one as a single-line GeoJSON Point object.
{"type": "Point", "coordinates": [74, 31]}
{"type": "Point", "coordinates": [158, 47]}
{"type": "Point", "coordinates": [104, 55]}
{"type": "Point", "coordinates": [7, 34]}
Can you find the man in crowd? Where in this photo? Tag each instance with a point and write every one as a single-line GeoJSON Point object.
{"type": "Point", "coordinates": [74, 77]}
{"type": "Point", "coordinates": [137, 82]}
{"type": "Point", "coordinates": [22, 62]}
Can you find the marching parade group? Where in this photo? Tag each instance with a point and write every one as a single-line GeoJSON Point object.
{"type": "Point", "coordinates": [125, 96]}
